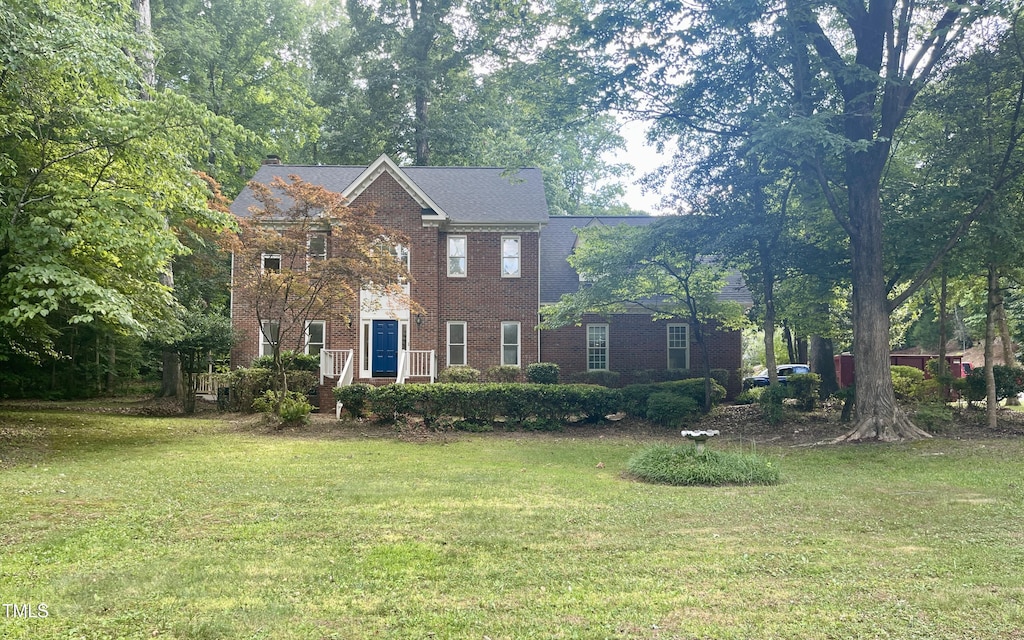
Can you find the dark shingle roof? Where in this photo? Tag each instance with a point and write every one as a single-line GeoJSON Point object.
{"type": "Point", "coordinates": [558, 239]}
{"type": "Point", "coordinates": [468, 195]}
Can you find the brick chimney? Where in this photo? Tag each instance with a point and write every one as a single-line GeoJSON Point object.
{"type": "Point", "coordinates": [272, 159]}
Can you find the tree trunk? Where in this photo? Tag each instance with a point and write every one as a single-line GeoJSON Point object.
{"type": "Point", "coordinates": [769, 334]}
{"type": "Point", "coordinates": [801, 350]}
{"type": "Point", "coordinates": [822, 362]}
{"type": "Point", "coordinates": [787, 335]}
{"type": "Point", "coordinates": [943, 366]}
{"type": "Point", "coordinates": [878, 416]}
{"type": "Point", "coordinates": [1004, 337]}
{"type": "Point", "coordinates": [991, 402]}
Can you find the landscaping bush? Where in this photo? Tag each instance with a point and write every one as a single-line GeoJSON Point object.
{"type": "Point", "coordinates": [671, 409]}
{"type": "Point", "coordinates": [683, 465]}
{"type": "Point", "coordinates": [294, 409]}
{"type": "Point", "coordinates": [771, 401]}
{"type": "Point", "coordinates": [636, 397]}
{"type": "Point", "coordinates": [542, 373]}
{"type": "Point", "coordinates": [354, 398]}
{"type": "Point", "coordinates": [603, 378]}
{"type": "Point", "coordinates": [504, 373]}
{"type": "Point", "coordinates": [934, 417]}
{"type": "Point", "coordinates": [291, 361]}
{"type": "Point", "coordinates": [1009, 382]}
{"type": "Point", "coordinates": [749, 396]}
{"type": "Point", "coordinates": [905, 380]}
{"type": "Point", "coordinates": [249, 384]}
{"type": "Point", "coordinates": [804, 388]}
{"type": "Point", "coordinates": [459, 374]}
{"type": "Point", "coordinates": [519, 404]}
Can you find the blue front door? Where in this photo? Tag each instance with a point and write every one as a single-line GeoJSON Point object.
{"type": "Point", "coordinates": [385, 348]}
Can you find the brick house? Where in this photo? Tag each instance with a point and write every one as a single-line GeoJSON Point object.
{"type": "Point", "coordinates": [484, 257]}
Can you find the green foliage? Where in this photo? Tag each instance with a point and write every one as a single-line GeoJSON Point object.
{"type": "Point", "coordinates": [603, 378]}
{"type": "Point", "coordinates": [354, 398]}
{"type": "Point", "coordinates": [749, 396]}
{"type": "Point", "coordinates": [672, 409]}
{"type": "Point", "coordinates": [542, 373]}
{"type": "Point", "coordinates": [503, 373]}
{"type": "Point", "coordinates": [636, 397]}
{"type": "Point", "coordinates": [771, 401]}
{"type": "Point", "coordinates": [290, 361]}
{"type": "Point", "coordinates": [292, 408]}
{"type": "Point", "coordinates": [906, 380]}
{"type": "Point", "coordinates": [803, 387]}
{"type": "Point", "coordinates": [249, 384]}
{"type": "Point", "coordinates": [520, 405]}
{"type": "Point", "coordinates": [685, 466]}
{"type": "Point", "coordinates": [459, 374]}
{"type": "Point", "coordinates": [934, 417]}
{"type": "Point", "coordinates": [1009, 382]}
{"type": "Point", "coordinates": [96, 178]}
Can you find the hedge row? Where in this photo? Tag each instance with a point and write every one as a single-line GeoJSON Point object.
{"type": "Point", "coordinates": [529, 405]}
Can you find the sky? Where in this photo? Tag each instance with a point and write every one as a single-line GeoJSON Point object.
{"type": "Point", "coordinates": [644, 159]}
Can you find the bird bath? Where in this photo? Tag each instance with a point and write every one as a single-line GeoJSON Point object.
{"type": "Point", "coordinates": [699, 437]}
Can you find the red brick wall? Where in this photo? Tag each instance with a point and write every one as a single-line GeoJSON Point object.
{"type": "Point", "coordinates": [636, 343]}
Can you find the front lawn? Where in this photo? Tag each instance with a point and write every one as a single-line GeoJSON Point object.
{"type": "Point", "coordinates": [129, 527]}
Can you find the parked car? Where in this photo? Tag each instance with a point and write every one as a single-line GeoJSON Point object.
{"type": "Point", "coordinates": [784, 370]}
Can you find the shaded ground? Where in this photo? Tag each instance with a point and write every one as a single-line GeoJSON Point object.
{"type": "Point", "coordinates": [735, 422]}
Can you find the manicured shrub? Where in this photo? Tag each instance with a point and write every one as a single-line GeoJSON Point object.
{"type": "Point", "coordinates": [248, 384]}
{"type": "Point", "coordinates": [683, 465]}
{"type": "Point", "coordinates": [504, 373]}
{"type": "Point", "coordinates": [771, 402]}
{"type": "Point", "coordinates": [749, 396]}
{"type": "Point", "coordinates": [542, 373]}
{"type": "Point", "coordinates": [671, 409]}
{"type": "Point", "coordinates": [459, 374]}
{"type": "Point", "coordinates": [905, 380]}
{"type": "Point", "coordinates": [804, 388]}
{"type": "Point", "coordinates": [1009, 382]}
{"type": "Point", "coordinates": [354, 398]}
{"type": "Point", "coordinates": [636, 397]}
{"type": "Point", "coordinates": [603, 378]}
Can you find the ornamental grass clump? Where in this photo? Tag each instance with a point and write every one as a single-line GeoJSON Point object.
{"type": "Point", "coordinates": [685, 466]}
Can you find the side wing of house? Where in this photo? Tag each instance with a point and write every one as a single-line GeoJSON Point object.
{"type": "Point", "coordinates": [637, 347]}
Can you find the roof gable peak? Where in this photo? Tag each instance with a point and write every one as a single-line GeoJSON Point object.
{"type": "Point", "coordinates": [384, 164]}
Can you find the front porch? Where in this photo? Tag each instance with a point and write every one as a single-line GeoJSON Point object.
{"type": "Point", "coordinates": [337, 369]}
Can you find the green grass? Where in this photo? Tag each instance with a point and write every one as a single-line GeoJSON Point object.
{"type": "Point", "coordinates": [683, 465]}
{"type": "Point", "coordinates": [130, 527]}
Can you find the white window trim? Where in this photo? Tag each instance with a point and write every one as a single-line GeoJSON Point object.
{"type": "Point", "coordinates": [519, 344]}
{"type": "Point", "coordinates": [263, 261]}
{"type": "Point", "coordinates": [310, 256]}
{"type": "Point", "coordinates": [518, 256]}
{"type": "Point", "coordinates": [607, 346]}
{"type": "Point", "coordinates": [463, 344]}
{"type": "Point", "coordinates": [323, 333]}
{"type": "Point", "coordinates": [264, 339]}
{"type": "Point", "coordinates": [448, 254]}
{"type": "Point", "coordinates": [668, 346]}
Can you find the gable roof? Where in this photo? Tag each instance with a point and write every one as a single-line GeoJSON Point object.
{"type": "Point", "coordinates": [461, 195]}
{"type": "Point", "coordinates": [558, 240]}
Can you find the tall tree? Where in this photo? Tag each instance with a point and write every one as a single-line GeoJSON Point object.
{"type": "Point", "coordinates": [839, 79]}
{"type": "Point", "coordinates": [92, 172]}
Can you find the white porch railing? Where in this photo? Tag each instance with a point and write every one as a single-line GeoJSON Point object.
{"type": "Point", "coordinates": [206, 385]}
{"type": "Point", "coordinates": [416, 364]}
{"type": "Point", "coordinates": [336, 363]}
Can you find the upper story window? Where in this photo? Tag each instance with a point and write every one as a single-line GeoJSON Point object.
{"type": "Point", "coordinates": [510, 256]}
{"type": "Point", "coordinates": [316, 247]}
{"type": "Point", "coordinates": [271, 262]}
{"type": "Point", "coordinates": [457, 256]}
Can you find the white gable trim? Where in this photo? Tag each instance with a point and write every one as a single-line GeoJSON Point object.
{"type": "Point", "coordinates": [382, 165]}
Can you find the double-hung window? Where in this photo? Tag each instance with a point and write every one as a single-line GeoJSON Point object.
{"type": "Point", "coordinates": [456, 344]}
{"type": "Point", "coordinates": [510, 343]}
{"type": "Point", "coordinates": [457, 255]}
{"type": "Point", "coordinates": [597, 347]}
{"type": "Point", "coordinates": [314, 337]}
{"type": "Point", "coordinates": [271, 262]}
{"type": "Point", "coordinates": [316, 247]}
{"type": "Point", "coordinates": [510, 256]}
{"type": "Point", "coordinates": [269, 335]}
{"type": "Point", "coordinates": [678, 346]}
